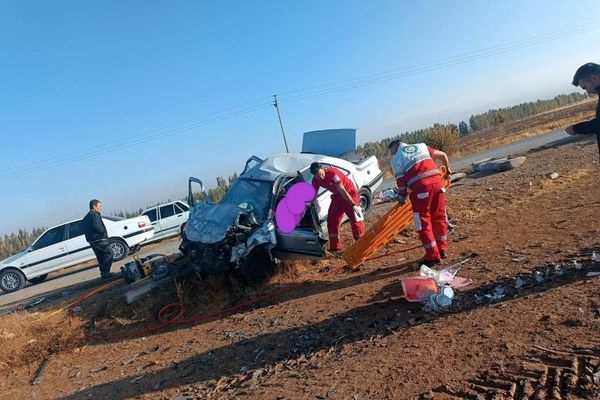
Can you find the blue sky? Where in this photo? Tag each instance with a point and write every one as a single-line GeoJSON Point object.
{"type": "Point", "coordinates": [78, 77]}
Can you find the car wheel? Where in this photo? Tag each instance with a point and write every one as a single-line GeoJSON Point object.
{"type": "Point", "coordinates": [119, 249]}
{"type": "Point", "coordinates": [366, 199]}
{"type": "Point", "coordinates": [182, 231]}
{"type": "Point", "coordinates": [257, 268]}
{"type": "Point", "coordinates": [38, 279]}
{"type": "Point", "coordinates": [11, 280]}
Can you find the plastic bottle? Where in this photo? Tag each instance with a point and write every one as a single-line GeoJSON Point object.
{"type": "Point", "coordinates": [441, 300]}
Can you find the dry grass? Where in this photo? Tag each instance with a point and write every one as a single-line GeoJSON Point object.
{"type": "Point", "coordinates": [27, 339]}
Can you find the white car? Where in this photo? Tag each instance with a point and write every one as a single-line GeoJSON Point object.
{"type": "Point", "coordinates": [65, 245]}
{"type": "Point", "coordinates": [168, 219]}
{"type": "Point", "coordinates": [239, 233]}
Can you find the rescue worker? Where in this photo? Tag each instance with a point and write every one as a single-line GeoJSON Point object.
{"type": "Point", "coordinates": [344, 200]}
{"type": "Point", "coordinates": [588, 78]}
{"type": "Point", "coordinates": [415, 169]}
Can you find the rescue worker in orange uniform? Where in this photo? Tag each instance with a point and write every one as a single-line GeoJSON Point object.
{"type": "Point", "coordinates": [415, 169]}
{"type": "Point", "coordinates": [344, 200]}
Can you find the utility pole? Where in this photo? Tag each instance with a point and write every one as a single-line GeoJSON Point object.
{"type": "Point", "coordinates": [276, 105]}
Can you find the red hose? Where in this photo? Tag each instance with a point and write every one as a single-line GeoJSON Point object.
{"type": "Point", "coordinates": [178, 319]}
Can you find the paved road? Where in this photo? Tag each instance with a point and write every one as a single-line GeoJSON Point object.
{"type": "Point", "coordinates": [556, 137]}
{"type": "Point", "coordinates": [74, 280]}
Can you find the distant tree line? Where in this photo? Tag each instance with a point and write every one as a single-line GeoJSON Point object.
{"type": "Point", "coordinates": [442, 137]}
{"type": "Point", "coordinates": [216, 194]}
{"type": "Point", "coordinates": [445, 137]}
{"type": "Point", "coordinates": [493, 118]}
{"type": "Point", "coordinates": [14, 243]}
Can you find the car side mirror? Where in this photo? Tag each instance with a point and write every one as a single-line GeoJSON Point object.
{"type": "Point", "coordinates": [30, 249]}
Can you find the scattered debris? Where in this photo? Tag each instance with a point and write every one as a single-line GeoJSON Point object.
{"type": "Point", "coordinates": [592, 274]}
{"type": "Point", "coordinates": [137, 379]}
{"type": "Point", "coordinates": [498, 164]}
{"type": "Point", "coordinates": [39, 373]}
{"type": "Point", "coordinates": [498, 293]}
{"type": "Point", "coordinates": [34, 303]}
{"type": "Point", "coordinates": [552, 175]}
{"type": "Point", "coordinates": [96, 370]}
{"type": "Point", "coordinates": [519, 283]}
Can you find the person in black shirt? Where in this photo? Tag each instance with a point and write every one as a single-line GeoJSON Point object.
{"type": "Point", "coordinates": [97, 237]}
{"type": "Point", "coordinates": [588, 78]}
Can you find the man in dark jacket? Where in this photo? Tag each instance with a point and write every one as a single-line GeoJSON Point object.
{"type": "Point", "coordinates": [97, 237]}
{"type": "Point", "coordinates": [588, 78]}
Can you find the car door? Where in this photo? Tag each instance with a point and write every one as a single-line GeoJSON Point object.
{"type": "Point", "coordinates": [304, 241]}
{"type": "Point", "coordinates": [169, 221]}
{"type": "Point", "coordinates": [48, 252]}
{"type": "Point", "coordinates": [152, 215]}
{"type": "Point", "coordinates": [78, 248]}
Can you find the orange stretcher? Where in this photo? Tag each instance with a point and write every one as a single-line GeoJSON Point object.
{"type": "Point", "coordinates": [384, 230]}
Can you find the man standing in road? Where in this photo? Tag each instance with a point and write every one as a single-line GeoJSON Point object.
{"type": "Point", "coordinates": [97, 237]}
{"type": "Point", "coordinates": [588, 78]}
{"type": "Point", "coordinates": [415, 168]}
{"type": "Point", "coordinates": [344, 200]}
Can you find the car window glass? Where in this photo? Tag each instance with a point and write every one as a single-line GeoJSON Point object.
{"type": "Point", "coordinates": [53, 236]}
{"type": "Point", "coordinates": [167, 211]}
{"type": "Point", "coordinates": [180, 207]}
{"type": "Point", "coordinates": [250, 194]}
{"type": "Point", "coordinates": [151, 214]}
{"type": "Point", "coordinates": [75, 229]}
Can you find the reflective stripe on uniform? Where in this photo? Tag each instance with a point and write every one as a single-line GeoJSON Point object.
{"type": "Point", "coordinates": [333, 235]}
{"type": "Point", "coordinates": [401, 187]}
{"type": "Point", "coordinates": [417, 218]}
{"type": "Point", "coordinates": [430, 245]}
{"type": "Point", "coordinates": [423, 175]}
{"type": "Point", "coordinates": [442, 238]}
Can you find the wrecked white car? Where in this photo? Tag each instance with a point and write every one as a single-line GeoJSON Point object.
{"type": "Point", "coordinates": [239, 233]}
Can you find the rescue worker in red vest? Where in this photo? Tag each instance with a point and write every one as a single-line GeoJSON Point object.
{"type": "Point", "coordinates": [344, 200]}
{"type": "Point", "coordinates": [416, 172]}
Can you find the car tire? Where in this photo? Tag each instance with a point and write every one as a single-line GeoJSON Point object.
{"type": "Point", "coordinates": [11, 280]}
{"type": "Point", "coordinates": [257, 268]}
{"type": "Point", "coordinates": [182, 230]}
{"type": "Point", "coordinates": [38, 279]}
{"type": "Point", "coordinates": [366, 199]}
{"type": "Point", "coordinates": [119, 248]}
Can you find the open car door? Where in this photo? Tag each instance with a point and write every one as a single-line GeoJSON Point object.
{"type": "Point", "coordinates": [306, 241]}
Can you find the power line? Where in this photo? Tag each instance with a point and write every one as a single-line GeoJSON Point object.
{"type": "Point", "coordinates": [302, 94]}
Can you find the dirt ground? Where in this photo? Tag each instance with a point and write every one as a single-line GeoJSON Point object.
{"type": "Point", "coordinates": [527, 239]}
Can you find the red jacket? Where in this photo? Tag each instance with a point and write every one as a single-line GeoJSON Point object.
{"type": "Point", "coordinates": [333, 176]}
{"type": "Point", "coordinates": [412, 163]}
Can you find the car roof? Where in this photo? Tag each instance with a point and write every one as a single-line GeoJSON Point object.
{"type": "Point", "coordinates": [79, 219]}
{"type": "Point", "coordinates": [278, 164]}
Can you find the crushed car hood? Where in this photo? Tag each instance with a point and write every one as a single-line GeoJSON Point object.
{"type": "Point", "coordinates": [208, 223]}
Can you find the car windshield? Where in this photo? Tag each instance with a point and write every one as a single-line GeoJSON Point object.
{"type": "Point", "coordinates": [250, 194]}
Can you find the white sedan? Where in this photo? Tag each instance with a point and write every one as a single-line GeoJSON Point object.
{"type": "Point", "coordinates": [168, 219]}
{"type": "Point", "coordinates": [65, 245]}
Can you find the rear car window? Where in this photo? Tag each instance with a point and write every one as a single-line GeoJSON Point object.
{"type": "Point", "coordinates": [75, 229]}
{"type": "Point", "coordinates": [151, 214]}
{"type": "Point", "coordinates": [180, 207]}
